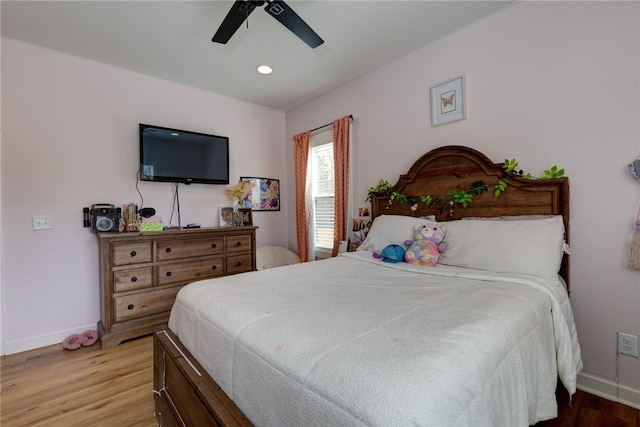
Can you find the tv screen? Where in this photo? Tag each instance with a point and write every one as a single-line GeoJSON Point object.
{"type": "Point", "coordinates": [174, 155]}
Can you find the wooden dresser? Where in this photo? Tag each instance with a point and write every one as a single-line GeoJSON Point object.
{"type": "Point", "coordinates": [141, 273]}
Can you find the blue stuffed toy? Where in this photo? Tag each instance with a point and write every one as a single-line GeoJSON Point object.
{"type": "Point", "coordinates": [391, 253]}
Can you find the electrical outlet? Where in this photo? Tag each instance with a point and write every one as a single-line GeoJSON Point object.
{"type": "Point", "coordinates": [627, 344]}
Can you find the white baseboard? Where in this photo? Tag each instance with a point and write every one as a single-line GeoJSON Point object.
{"type": "Point", "coordinates": [43, 341]}
{"type": "Point", "coordinates": [608, 389]}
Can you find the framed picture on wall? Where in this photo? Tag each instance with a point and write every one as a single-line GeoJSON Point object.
{"type": "Point", "coordinates": [448, 102]}
{"type": "Point", "coordinates": [264, 196]}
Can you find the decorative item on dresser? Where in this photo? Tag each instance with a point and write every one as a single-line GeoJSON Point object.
{"type": "Point", "coordinates": [246, 217]}
{"type": "Point", "coordinates": [141, 273]}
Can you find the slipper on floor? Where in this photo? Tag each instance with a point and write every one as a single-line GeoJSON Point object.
{"type": "Point", "coordinates": [89, 338]}
{"type": "Point", "coordinates": [72, 342]}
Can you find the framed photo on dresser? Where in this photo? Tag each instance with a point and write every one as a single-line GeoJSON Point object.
{"type": "Point", "coordinates": [225, 216]}
{"type": "Point", "coordinates": [245, 216]}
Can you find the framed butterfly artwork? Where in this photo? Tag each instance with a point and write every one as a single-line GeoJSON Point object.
{"type": "Point", "coordinates": [448, 102]}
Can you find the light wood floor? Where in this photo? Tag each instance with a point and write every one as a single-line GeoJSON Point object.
{"type": "Point", "coordinates": [90, 387]}
{"type": "Point", "coordinates": [84, 387]}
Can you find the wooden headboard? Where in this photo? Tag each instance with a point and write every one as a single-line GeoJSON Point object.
{"type": "Point", "coordinates": [456, 168]}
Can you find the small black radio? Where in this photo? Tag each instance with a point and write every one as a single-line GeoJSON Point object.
{"type": "Point", "coordinates": [102, 217]}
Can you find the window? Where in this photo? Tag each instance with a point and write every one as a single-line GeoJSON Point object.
{"type": "Point", "coordinates": [322, 191]}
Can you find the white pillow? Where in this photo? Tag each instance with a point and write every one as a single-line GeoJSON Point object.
{"type": "Point", "coordinates": [533, 246]}
{"type": "Point", "coordinates": [274, 256]}
{"type": "Point", "coordinates": [391, 229]}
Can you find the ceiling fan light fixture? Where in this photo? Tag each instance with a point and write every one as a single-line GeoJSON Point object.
{"type": "Point", "coordinates": [264, 69]}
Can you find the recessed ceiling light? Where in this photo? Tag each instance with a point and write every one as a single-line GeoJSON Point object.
{"type": "Point", "coordinates": [264, 69]}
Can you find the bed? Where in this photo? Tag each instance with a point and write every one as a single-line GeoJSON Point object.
{"type": "Point", "coordinates": [479, 339]}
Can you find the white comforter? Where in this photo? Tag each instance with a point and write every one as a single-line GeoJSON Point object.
{"type": "Point", "coordinates": [353, 341]}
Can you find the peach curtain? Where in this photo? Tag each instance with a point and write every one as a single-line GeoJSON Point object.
{"type": "Point", "coordinates": [301, 155]}
{"type": "Point", "coordinates": [341, 168]}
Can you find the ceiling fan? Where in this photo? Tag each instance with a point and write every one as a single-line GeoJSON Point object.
{"type": "Point", "coordinates": [241, 10]}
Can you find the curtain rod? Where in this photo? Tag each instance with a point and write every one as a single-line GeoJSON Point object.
{"type": "Point", "coordinates": [329, 124]}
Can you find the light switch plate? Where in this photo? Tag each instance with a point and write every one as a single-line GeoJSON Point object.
{"type": "Point", "coordinates": [42, 222]}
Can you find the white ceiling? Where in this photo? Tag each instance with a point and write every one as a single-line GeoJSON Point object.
{"type": "Point", "coordinates": [171, 40]}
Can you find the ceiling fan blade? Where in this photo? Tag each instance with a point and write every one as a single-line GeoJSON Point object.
{"type": "Point", "coordinates": [287, 17]}
{"type": "Point", "coordinates": [235, 17]}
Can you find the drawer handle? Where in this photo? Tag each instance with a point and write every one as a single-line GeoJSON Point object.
{"type": "Point", "coordinates": [214, 267]}
{"type": "Point", "coordinates": [238, 264]}
{"type": "Point", "coordinates": [167, 250]}
{"type": "Point", "coordinates": [134, 279]}
{"type": "Point", "coordinates": [168, 274]}
{"type": "Point", "coordinates": [213, 246]}
{"type": "Point", "coordinates": [238, 243]}
{"type": "Point", "coordinates": [130, 306]}
{"type": "Point", "coordinates": [133, 253]}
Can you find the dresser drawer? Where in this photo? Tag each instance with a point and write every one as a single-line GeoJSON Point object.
{"type": "Point", "coordinates": [241, 243]}
{"type": "Point", "coordinates": [189, 271]}
{"type": "Point", "coordinates": [177, 249]}
{"type": "Point", "coordinates": [135, 278]}
{"type": "Point", "coordinates": [144, 304]}
{"type": "Point", "coordinates": [132, 253]}
{"type": "Point", "coordinates": [238, 264]}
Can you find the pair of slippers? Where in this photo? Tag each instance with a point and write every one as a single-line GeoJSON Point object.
{"type": "Point", "coordinates": [84, 339]}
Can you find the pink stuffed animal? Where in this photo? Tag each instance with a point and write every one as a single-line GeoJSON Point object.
{"type": "Point", "coordinates": [426, 247]}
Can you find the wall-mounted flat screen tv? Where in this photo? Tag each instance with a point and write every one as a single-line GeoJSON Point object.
{"type": "Point", "coordinates": [174, 155]}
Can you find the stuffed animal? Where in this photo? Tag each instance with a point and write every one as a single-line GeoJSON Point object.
{"type": "Point", "coordinates": [391, 253]}
{"type": "Point", "coordinates": [426, 247]}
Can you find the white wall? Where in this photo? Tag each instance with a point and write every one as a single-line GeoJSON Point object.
{"type": "Point", "coordinates": [70, 139]}
{"type": "Point", "coordinates": [547, 83]}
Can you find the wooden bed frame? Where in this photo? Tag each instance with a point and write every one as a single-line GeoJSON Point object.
{"type": "Point", "coordinates": [185, 395]}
